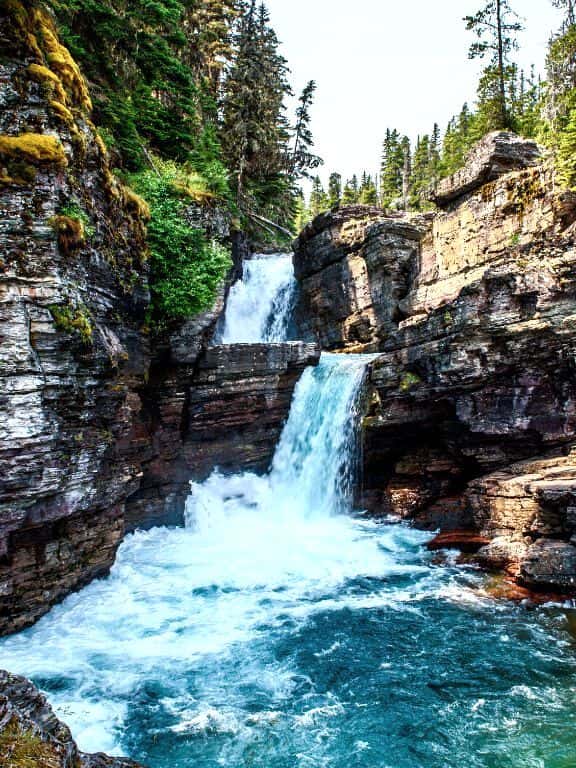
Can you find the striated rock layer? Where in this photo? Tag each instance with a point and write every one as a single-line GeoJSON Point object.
{"type": "Point", "coordinates": [72, 299]}
{"type": "Point", "coordinates": [31, 734]}
{"type": "Point", "coordinates": [89, 414]}
{"type": "Point", "coordinates": [225, 412]}
{"type": "Point", "coordinates": [476, 323]}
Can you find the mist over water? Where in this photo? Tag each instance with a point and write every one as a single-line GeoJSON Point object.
{"type": "Point", "coordinates": [282, 629]}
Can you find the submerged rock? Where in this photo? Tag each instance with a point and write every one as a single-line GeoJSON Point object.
{"type": "Point", "coordinates": [32, 735]}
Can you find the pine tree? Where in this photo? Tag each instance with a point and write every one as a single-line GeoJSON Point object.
{"type": "Point", "coordinates": [334, 190]}
{"type": "Point", "coordinates": [495, 25]}
{"type": "Point", "coordinates": [421, 173]}
{"type": "Point", "coordinates": [368, 193]}
{"type": "Point", "coordinates": [351, 193]}
{"type": "Point", "coordinates": [255, 132]}
{"type": "Point", "coordinates": [318, 198]}
{"type": "Point", "coordinates": [301, 159]}
{"type": "Point", "coordinates": [392, 168]}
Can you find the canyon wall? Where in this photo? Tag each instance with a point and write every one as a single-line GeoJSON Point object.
{"type": "Point", "coordinates": [72, 299]}
{"type": "Point", "coordinates": [471, 415]}
{"type": "Point", "coordinates": [225, 412]}
{"type": "Point", "coordinates": [102, 425]}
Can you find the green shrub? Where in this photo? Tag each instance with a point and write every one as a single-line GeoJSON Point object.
{"type": "Point", "coordinates": [186, 268]}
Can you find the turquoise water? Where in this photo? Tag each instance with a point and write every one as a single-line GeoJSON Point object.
{"type": "Point", "coordinates": [280, 630]}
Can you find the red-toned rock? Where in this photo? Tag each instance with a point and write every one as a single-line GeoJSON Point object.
{"type": "Point", "coordinates": [465, 541]}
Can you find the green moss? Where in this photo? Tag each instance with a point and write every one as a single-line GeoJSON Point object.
{"type": "Point", "coordinates": [74, 319]}
{"type": "Point", "coordinates": [33, 148]}
{"type": "Point", "coordinates": [50, 82]}
{"type": "Point", "coordinates": [21, 748]}
{"type": "Point", "coordinates": [17, 173]}
{"type": "Point", "coordinates": [408, 381]}
{"type": "Point", "coordinates": [60, 61]}
{"type": "Point", "coordinates": [76, 213]}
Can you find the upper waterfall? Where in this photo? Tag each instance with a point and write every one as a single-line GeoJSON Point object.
{"type": "Point", "coordinates": [259, 307]}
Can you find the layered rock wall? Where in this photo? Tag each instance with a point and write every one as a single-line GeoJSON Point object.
{"type": "Point", "coordinates": [225, 412]}
{"type": "Point", "coordinates": [476, 325]}
{"type": "Point", "coordinates": [72, 298]}
{"type": "Point", "coordinates": [353, 267]}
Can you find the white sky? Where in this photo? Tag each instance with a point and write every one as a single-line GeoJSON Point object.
{"type": "Point", "coordinates": [388, 63]}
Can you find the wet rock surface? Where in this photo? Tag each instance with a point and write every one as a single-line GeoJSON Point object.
{"type": "Point", "coordinates": [227, 412]}
{"type": "Point", "coordinates": [31, 734]}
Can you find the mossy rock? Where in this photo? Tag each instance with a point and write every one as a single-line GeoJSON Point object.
{"type": "Point", "coordinates": [74, 320]}
{"type": "Point", "coordinates": [71, 234]}
{"type": "Point", "coordinates": [408, 381]}
{"type": "Point", "coordinates": [20, 748]}
{"type": "Point", "coordinates": [49, 80]}
{"type": "Point", "coordinates": [33, 148]}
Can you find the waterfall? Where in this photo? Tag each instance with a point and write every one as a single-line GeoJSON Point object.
{"type": "Point", "coordinates": [313, 470]}
{"type": "Point", "coordinates": [259, 307]}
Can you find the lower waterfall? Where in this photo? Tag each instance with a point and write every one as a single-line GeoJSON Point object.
{"type": "Point", "coordinates": [280, 629]}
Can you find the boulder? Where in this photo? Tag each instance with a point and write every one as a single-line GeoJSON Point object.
{"type": "Point", "coordinates": [496, 154]}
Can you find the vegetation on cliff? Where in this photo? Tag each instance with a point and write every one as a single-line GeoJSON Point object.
{"type": "Point", "coordinates": [507, 99]}
{"type": "Point", "coordinates": [189, 99]}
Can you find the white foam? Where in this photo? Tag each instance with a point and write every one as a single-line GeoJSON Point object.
{"type": "Point", "coordinates": [259, 553]}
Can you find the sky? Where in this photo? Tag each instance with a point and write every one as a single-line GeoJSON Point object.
{"type": "Point", "coordinates": [388, 63]}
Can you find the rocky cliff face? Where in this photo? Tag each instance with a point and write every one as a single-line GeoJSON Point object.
{"type": "Point", "coordinates": [72, 298]}
{"type": "Point", "coordinates": [471, 419]}
{"type": "Point", "coordinates": [32, 735]}
{"type": "Point", "coordinates": [353, 267]}
{"type": "Point", "coordinates": [225, 411]}
{"type": "Point", "coordinates": [90, 415]}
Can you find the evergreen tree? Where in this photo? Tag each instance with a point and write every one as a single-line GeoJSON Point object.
{"type": "Point", "coordinates": [458, 139]}
{"type": "Point", "coordinates": [421, 173]}
{"type": "Point", "coordinates": [318, 198]}
{"type": "Point", "coordinates": [392, 168]}
{"type": "Point", "coordinates": [255, 133]}
{"type": "Point", "coordinates": [368, 193]}
{"type": "Point", "coordinates": [495, 25]}
{"type": "Point", "coordinates": [351, 193]}
{"type": "Point", "coordinates": [560, 107]}
{"type": "Point", "coordinates": [301, 159]}
{"type": "Point", "coordinates": [406, 150]}
{"type": "Point", "coordinates": [334, 190]}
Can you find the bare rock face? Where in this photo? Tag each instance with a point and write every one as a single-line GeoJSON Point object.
{"type": "Point", "coordinates": [227, 412]}
{"type": "Point", "coordinates": [72, 299]}
{"type": "Point", "coordinates": [496, 154]}
{"type": "Point", "coordinates": [31, 734]}
{"type": "Point", "coordinates": [353, 266]}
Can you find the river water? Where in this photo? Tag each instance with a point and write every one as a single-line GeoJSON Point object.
{"type": "Point", "coordinates": [282, 629]}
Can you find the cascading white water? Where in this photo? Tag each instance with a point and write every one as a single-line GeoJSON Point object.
{"type": "Point", "coordinates": [313, 469]}
{"type": "Point", "coordinates": [259, 307]}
